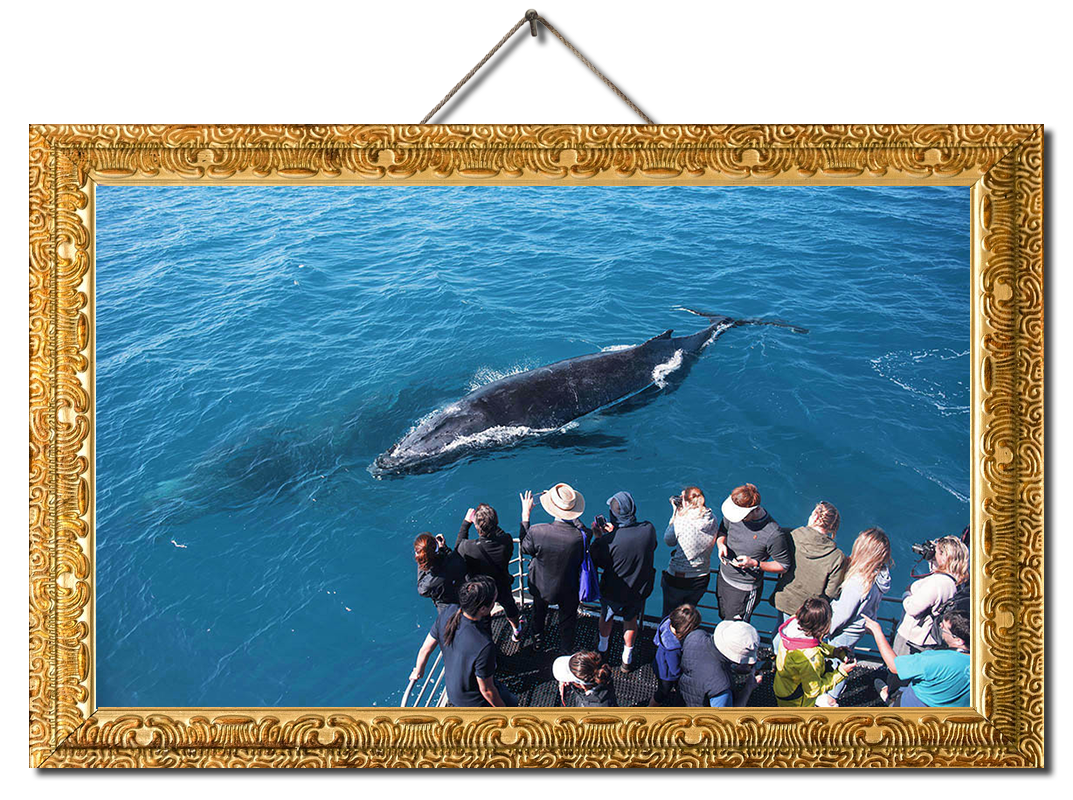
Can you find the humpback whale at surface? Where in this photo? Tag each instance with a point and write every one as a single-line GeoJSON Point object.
{"type": "Point", "coordinates": [545, 399]}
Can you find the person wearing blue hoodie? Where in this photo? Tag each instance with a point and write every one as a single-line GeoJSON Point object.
{"type": "Point", "coordinates": [867, 580]}
{"type": "Point", "coordinates": [671, 633]}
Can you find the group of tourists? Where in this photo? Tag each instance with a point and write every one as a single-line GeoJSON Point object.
{"type": "Point", "coordinates": [827, 602]}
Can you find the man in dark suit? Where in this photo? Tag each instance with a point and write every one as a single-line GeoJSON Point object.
{"type": "Point", "coordinates": [556, 549]}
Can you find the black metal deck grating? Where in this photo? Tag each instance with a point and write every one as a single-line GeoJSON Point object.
{"type": "Point", "coordinates": [527, 672]}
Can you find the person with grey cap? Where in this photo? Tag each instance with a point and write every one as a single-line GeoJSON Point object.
{"type": "Point", "coordinates": [556, 550]}
{"type": "Point", "coordinates": [750, 544]}
{"type": "Point", "coordinates": [589, 677]}
{"type": "Point", "coordinates": [710, 661]}
{"type": "Point", "coordinates": [624, 550]}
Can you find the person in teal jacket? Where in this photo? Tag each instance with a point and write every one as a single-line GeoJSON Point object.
{"type": "Point", "coordinates": [936, 678]}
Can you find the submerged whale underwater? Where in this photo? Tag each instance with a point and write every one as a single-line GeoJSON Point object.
{"type": "Point", "coordinates": [545, 399]}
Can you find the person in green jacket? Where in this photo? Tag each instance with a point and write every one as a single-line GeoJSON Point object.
{"type": "Point", "coordinates": [801, 673]}
{"type": "Point", "coordinates": [818, 566]}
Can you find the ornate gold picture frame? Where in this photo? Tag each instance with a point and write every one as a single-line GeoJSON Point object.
{"type": "Point", "coordinates": [1003, 165]}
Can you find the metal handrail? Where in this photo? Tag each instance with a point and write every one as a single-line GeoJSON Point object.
{"type": "Point", "coordinates": [518, 568]}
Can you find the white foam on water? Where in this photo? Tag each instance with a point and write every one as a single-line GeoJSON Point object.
{"type": "Point", "coordinates": [614, 348]}
{"type": "Point", "coordinates": [908, 370]}
{"type": "Point", "coordinates": [499, 435]}
{"type": "Point", "coordinates": [487, 375]}
{"type": "Point", "coordinates": [661, 371]}
{"type": "Point", "coordinates": [717, 333]}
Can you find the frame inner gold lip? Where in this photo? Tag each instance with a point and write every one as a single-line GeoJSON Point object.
{"type": "Point", "coordinates": [1002, 164]}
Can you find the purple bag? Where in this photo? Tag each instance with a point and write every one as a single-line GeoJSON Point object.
{"type": "Point", "coordinates": [589, 588]}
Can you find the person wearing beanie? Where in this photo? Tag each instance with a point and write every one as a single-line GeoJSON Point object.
{"type": "Point", "coordinates": [624, 550]}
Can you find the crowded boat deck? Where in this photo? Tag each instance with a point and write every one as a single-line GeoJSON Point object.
{"type": "Point", "coordinates": [528, 672]}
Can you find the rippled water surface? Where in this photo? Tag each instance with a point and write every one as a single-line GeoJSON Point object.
{"type": "Point", "coordinates": [257, 348]}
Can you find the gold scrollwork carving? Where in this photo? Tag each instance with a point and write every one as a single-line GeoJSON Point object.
{"type": "Point", "coordinates": [1004, 164]}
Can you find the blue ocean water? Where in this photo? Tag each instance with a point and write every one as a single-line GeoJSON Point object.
{"type": "Point", "coordinates": [257, 348]}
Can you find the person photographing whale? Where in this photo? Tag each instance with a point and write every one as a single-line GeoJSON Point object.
{"type": "Point", "coordinates": [624, 550]}
{"type": "Point", "coordinates": [556, 550]}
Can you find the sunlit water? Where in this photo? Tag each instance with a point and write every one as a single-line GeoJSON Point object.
{"type": "Point", "coordinates": [258, 347]}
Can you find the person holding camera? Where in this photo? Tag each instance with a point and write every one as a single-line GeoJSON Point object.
{"type": "Point", "coordinates": [802, 675]}
{"type": "Point", "coordinates": [440, 570]}
{"type": "Point", "coordinates": [490, 554]}
{"type": "Point", "coordinates": [933, 678]}
{"type": "Point", "coordinates": [709, 664]}
{"type": "Point", "coordinates": [624, 550]}
{"type": "Point", "coordinates": [817, 565]}
{"type": "Point", "coordinates": [949, 563]}
{"type": "Point", "coordinates": [750, 544]}
{"type": "Point", "coordinates": [589, 677]}
{"type": "Point", "coordinates": [691, 532]}
{"type": "Point", "coordinates": [469, 654]}
{"type": "Point", "coordinates": [557, 549]}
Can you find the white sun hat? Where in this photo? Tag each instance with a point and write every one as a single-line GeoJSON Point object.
{"type": "Point", "coordinates": [732, 512]}
{"type": "Point", "coordinates": [560, 670]}
{"type": "Point", "coordinates": [737, 640]}
{"type": "Point", "coordinates": [563, 502]}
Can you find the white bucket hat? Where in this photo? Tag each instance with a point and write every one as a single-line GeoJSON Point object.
{"type": "Point", "coordinates": [732, 512]}
{"type": "Point", "coordinates": [737, 640]}
{"type": "Point", "coordinates": [560, 670]}
{"type": "Point", "coordinates": [562, 502]}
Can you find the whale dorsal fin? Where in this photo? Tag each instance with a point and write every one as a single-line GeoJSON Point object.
{"type": "Point", "coordinates": [665, 335]}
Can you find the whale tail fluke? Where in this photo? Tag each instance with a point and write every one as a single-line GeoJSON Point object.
{"type": "Point", "coordinates": [778, 323]}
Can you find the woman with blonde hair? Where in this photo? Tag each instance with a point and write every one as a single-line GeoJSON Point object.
{"type": "Point", "coordinates": [691, 532]}
{"type": "Point", "coordinates": [916, 632]}
{"type": "Point", "coordinates": [867, 580]}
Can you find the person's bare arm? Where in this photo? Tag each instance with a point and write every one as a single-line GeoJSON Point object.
{"type": "Point", "coordinates": [885, 650]}
{"type": "Point", "coordinates": [422, 657]}
{"type": "Point", "coordinates": [490, 691]}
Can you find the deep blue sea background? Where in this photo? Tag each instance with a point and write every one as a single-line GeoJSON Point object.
{"type": "Point", "coordinates": [258, 347]}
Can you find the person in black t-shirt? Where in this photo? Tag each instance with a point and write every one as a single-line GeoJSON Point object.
{"type": "Point", "coordinates": [469, 654]}
{"type": "Point", "coordinates": [750, 544]}
{"type": "Point", "coordinates": [440, 570]}
{"type": "Point", "coordinates": [490, 554]}
{"type": "Point", "coordinates": [590, 678]}
{"type": "Point", "coordinates": [623, 550]}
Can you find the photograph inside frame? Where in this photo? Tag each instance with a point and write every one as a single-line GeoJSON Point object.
{"type": "Point", "coordinates": [544, 446]}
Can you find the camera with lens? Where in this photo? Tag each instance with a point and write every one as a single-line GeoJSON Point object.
{"type": "Point", "coordinates": [926, 550]}
{"type": "Point", "coordinates": [677, 500]}
{"type": "Point", "coordinates": [765, 660]}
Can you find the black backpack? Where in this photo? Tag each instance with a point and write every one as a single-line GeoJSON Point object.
{"type": "Point", "coordinates": [959, 603]}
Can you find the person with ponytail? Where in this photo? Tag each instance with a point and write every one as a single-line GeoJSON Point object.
{"type": "Point", "coordinates": [469, 654]}
{"type": "Point", "coordinates": [590, 678]}
{"type": "Point", "coordinates": [691, 532]}
{"type": "Point", "coordinates": [440, 570]}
